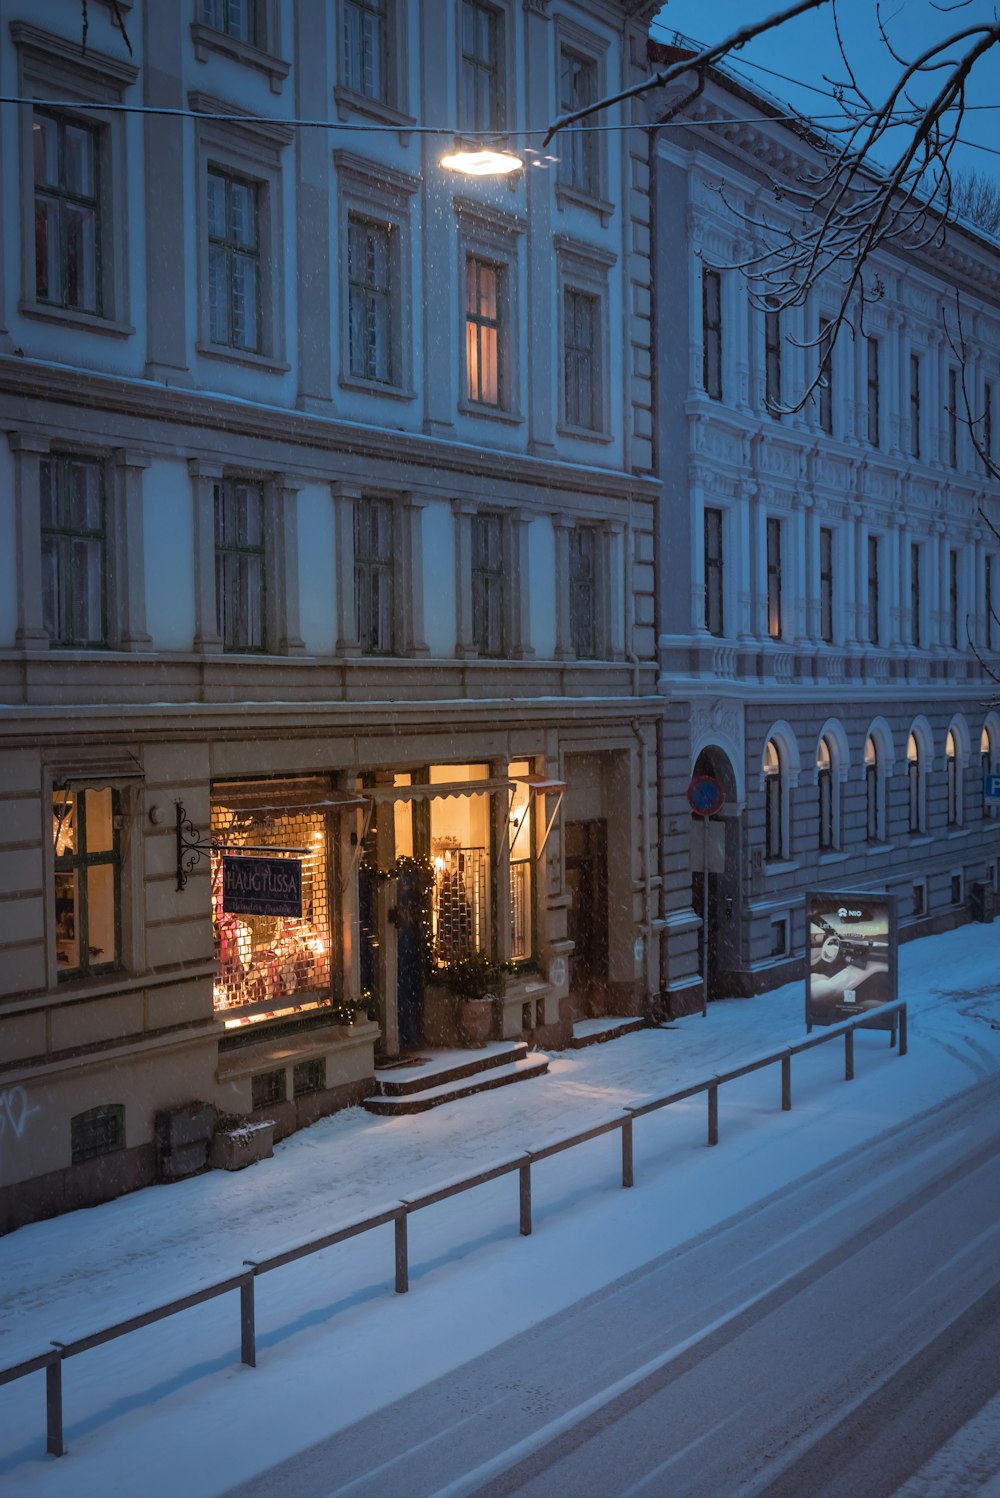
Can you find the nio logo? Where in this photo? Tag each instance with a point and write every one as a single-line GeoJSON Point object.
{"type": "Point", "coordinates": [846, 914]}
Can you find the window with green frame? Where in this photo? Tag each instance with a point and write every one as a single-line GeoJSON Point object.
{"type": "Point", "coordinates": [86, 838]}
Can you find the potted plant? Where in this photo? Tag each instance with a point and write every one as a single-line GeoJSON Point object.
{"type": "Point", "coordinates": [474, 981]}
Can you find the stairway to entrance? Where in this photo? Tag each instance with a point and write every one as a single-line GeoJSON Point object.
{"type": "Point", "coordinates": [434, 1077]}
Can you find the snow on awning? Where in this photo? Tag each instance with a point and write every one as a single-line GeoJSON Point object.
{"type": "Point", "coordinates": [331, 801]}
{"type": "Point", "coordinates": [441, 788]}
{"type": "Point", "coordinates": [541, 784]}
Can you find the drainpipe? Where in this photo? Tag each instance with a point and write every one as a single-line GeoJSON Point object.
{"type": "Point", "coordinates": [647, 872]}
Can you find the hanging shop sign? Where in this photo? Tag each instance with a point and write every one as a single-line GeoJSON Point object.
{"type": "Point", "coordinates": [262, 886]}
{"type": "Point", "coordinates": [852, 957]}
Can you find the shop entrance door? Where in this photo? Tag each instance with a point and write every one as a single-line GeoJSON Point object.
{"type": "Point", "coordinates": [410, 897]}
{"type": "Point", "coordinates": [587, 878]}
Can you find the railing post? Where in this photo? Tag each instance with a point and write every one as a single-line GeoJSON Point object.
{"type": "Point", "coordinates": [902, 1031]}
{"type": "Point", "coordinates": [525, 1194]}
{"type": "Point", "coordinates": [627, 1177]}
{"type": "Point", "coordinates": [402, 1256]}
{"type": "Point", "coordinates": [713, 1114]}
{"type": "Point", "coordinates": [848, 1055]}
{"type": "Point", "coordinates": [53, 1403]}
{"type": "Point", "coordinates": [786, 1083]}
{"type": "Point", "coordinates": [248, 1337]}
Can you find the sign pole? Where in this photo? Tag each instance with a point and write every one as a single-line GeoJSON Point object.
{"type": "Point", "coordinates": [704, 925]}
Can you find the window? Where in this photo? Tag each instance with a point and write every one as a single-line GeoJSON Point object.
{"type": "Point", "coordinates": [779, 937]}
{"type": "Point", "coordinates": [583, 591]}
{"type": "Point", "coordinates": [98, 1131]}
{"type": "Point", "coordinates": [828, 835]}
{"type": "Point", "coordinates": [987, 437]}
{"type": "Point", "coordinates": [772, 362]}
{"type": "Point", "coordinates": [488, 584]}
{"type": "Point", "coordinates": [826, 584]}
{"type": "Point", "coordinates": [915, 405]}
{"type": "Point", "coordinates": [233, 262]}
{"type": "Point", "coordinates": [915, 786]}
{"type": "Point", "coordinates": [581, 359]}
{"type": "Point", "coordinates": [370, 311]}
{"type": "Point", "coordinates": [480, 94]}
{"type": "Point", "coordinates": [873, 406]}
{"type": "Point", "coordinates": [956, 889]}
{"type": "Point", "coordinates": [309, 1076]}
{"type": "Point", "coordinates": [873, 792]}
{"type": "Point", "coordinates": [74, 561]}
{"type": "Point", "coordinates": [85, 834]}
{"type": "Point", "coordinates": [714, 580]}
{"type": "Point", "coordinates": [521, 841]}
{"type": "Point", "coordinates": [773, 798]}
{"type": "Point", "coordinates": [373, 575]}
{"type": "Point", "coordinates": [919, 898]}
{"type": "Point", "coordinates": [953, 599]}
{"type": "Point", "coordinates": [953, 417]}
{"type": "Point", "coordinates": [240, 19]}
{"type": "Point", "coordinates": [239, 565]}
{"type": "Point", "coordinates": [774, 578]}
{"type": "Point", "coordinates": [988, 598]}
{"type": "Point", "coordinates": [826, 377]}
{"type": "Point", "coordinates": [366, 49]}
{"type": "Point", "coordinates": [873, 598]}
{"type": "Point", "coordinates": [579, 163]}
{"type": "Point", "coordinates": [483, 331]}
{"type": "Point", "coordinates": [986, 767]}
{"type": "Point", "coordinates": [267, 1088]}
{"type": "Point", "coordinates": [67, 213]}
{"type": "Point", "coordinates": [711, 332]}
{"type": "Point", "coordinates": [952, 777]}
{"type": "Point", "coordinates": [915, 635]}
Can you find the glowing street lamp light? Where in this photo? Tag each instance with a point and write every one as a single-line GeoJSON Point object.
{"type": "Point", "coordinates": [485, 163]}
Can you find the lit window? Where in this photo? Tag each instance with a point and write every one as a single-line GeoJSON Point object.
{"type": "Point", "coordinates": [873, 792]}
{"type": "Point", "coordinates": [460, 851]}
{"type": "Point", "coordinates": [953, 780]}
{"type": "Point", "coordinates": [773, 799]}
{"type": "Point", "coordinates": [914, 770]}
{"type": "Point", "coordinates": [87, 881]}
{"type": "Point", "coordinates": [233, 262]}
{"type": "Point", "coordinates": [828, 837]}
{"type": "Point", "coordinates": [521, 842]}
{"type": "Point", "coordinates": [483, 293]}
{"type": "Point", "coordinates": [67, 213]}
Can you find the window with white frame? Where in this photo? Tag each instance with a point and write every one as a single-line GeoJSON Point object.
{"type": "Point", "coordinates": [579, 161]}
{"type": "Point", "coordinates": [366, 47]}
{"type": "Point", "coordinates": [582, 393]}
{"type": "Point", "coordinates": [87, 873]}
{"type": "Point", "coordinates": [371, 313]}
{"type": "Point", "coordinates": [521, 841]}
{"type": "Point", "coordinates": [74, 550]}
{"type": "Point", "coordinates": [240, 565]}
{"type": "Point", "coordinates": [374, 576]}
{"type": "Point", "coordinates": [915, 784]}
{"type": "Point", "coordinates": [67, 212]}
{"type": "Point", "coordinates": [244, 20]}
{"type": "Point", "coordinates": [481, 67]}
{"type": "Point", "coordinates": [233, 262]}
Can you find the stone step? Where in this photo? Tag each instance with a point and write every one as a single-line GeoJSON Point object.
{"type": "Point", "coordinates": [481, 1081]}
{"type": "Point", "coordinates": [606, 1027]}
{"type": "Point", "coordinates": [440, 1067]}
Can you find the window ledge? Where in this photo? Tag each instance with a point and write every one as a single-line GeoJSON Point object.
{"type": "Point", "coordinates": [580, 198]}
{"type": "Point", "coordinates": [492, 413]}
{"type": "Point", "coordinates": [67, 317]}
{"type": "Point", "coordinates": [206, 39]}
{"type": "Point", "coordinates": [242, 356]}
{"type": "Point", "coordinates": [958, 830]}
{"type": "Point", "coordinates": [834, 855]}
{"type": "Point", "coordinates": [919, 839]}
{"type": "Point", "coordinates": [584, 434]}
{"type": "Point", "coordinates": [376, 387]}
{"type": "Point", "coordinates": [348, 102]}
{"type": "Point", "coordinates": [874, 849]}
{"type": "Point", "coordinates": [780, 866]}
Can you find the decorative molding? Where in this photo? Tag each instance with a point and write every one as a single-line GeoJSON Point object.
{"type": "Point", "coordinates": [268, 132]}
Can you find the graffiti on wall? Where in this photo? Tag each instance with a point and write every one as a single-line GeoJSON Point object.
{"type": "Point", "coordinates": [15, 1111]}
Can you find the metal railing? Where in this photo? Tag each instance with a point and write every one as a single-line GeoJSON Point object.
{"type": "Point", "coordinates": [398, 1213]}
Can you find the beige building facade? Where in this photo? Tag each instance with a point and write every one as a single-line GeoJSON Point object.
{"type": "Point", "coordinates": [327, 536]}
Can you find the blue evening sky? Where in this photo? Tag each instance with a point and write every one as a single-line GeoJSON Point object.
{"type": "Point", "coordinates": [805, 49]}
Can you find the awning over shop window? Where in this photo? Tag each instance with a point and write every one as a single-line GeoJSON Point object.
{"type": "Point", "coordinates": [442, 788]}
{"type": "Point", "coordinates": [331, 801]}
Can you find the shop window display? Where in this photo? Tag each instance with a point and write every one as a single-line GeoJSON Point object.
{"type": "Point", "coordinates": [460, 845]}
{"type": "Point", "coordinates": [271, 966]}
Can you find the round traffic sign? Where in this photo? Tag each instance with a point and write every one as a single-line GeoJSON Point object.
{"type": "Point", "coordinates": [705, 796]}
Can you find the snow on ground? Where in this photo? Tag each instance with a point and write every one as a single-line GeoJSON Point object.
{"type": "Point", "coordinates": [171, 1409]}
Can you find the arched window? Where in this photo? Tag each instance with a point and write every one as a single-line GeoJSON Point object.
{"type": "Point", "coordinates": [914, 772]}
{"type": "Point", "coordinates": [828, 830]}
{"type": "Point", "coordinates": [951, 770]}
{"type": "Point", "coordinates": [873, 799]}
{"type": "Point", "coordinates": [986, 765]}
{"type": "Point", "coordinates": [773, 798]}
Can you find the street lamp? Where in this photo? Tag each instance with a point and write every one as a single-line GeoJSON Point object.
{"type": "Point", "coordinates": [484, 163]}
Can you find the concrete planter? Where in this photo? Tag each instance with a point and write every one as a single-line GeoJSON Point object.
{"type": "Point", "coordinates": [474, 1018]}
{"type": "Point", "coordinates": [242, 1144]}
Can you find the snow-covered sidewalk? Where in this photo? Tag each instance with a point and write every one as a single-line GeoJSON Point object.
{"type": "Point", "coordinates": [333, 1341]}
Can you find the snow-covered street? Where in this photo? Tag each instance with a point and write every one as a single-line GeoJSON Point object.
{"type": "Point", "coordinates": [335, 1345]}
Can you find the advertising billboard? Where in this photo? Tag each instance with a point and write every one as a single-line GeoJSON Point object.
{"type": "Point", "coordinates": [852, 957]}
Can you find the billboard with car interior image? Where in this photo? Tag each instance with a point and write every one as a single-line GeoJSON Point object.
{"type": "Point", "coordinates": [852, 957]}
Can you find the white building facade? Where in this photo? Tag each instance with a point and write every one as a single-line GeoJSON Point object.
{"type": "Point", "coordinates": [327, 534]}
{"type": "Point", "coordinates": [819, 663]}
